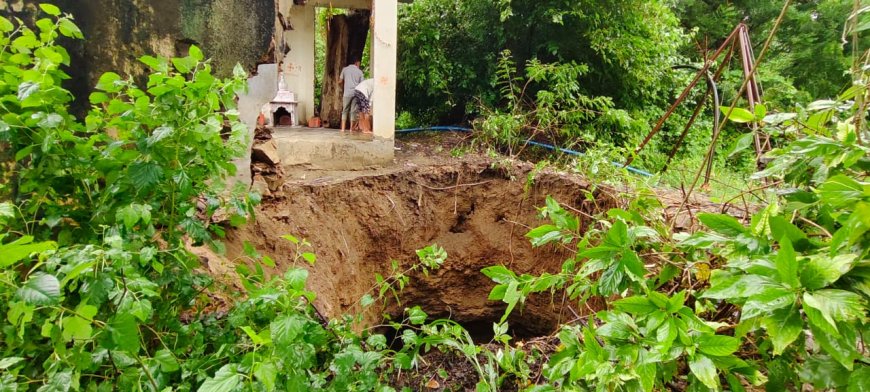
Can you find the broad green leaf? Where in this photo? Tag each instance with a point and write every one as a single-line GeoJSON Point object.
{"type": "Point", "coordinates": [783, 326]}
{"type": "Point", "coordinates": [109, 82]}
{"type": "Point", "coordinates": [5, 25]}
{"type": "Point", "coordinates": [617, 236]}
{"type": "Point", "coordinates": [498, 292]}
{"type": "Point", "coordinates": [296, 278]}
{"type": "Point", "coordinates": [766, 301]}
{"type": "Point", "coordinates": [760, 224]}
{"type": "Point", "coordinates": [285, 329]}
{"type": "Point", "coordinates": [74, 327]}
{"type": "Point", "coordinates": [738, 115]}
{"type": "Point", "coordinates": [860, 380]}
{"type": "Point", "coordinates": [822, 104]}
{"type": "Point", "coordinates": [633, 265]}
{"type": "Point", "coordinates": [21, 249]}
{"type": "Point", "coordinates": [723, 224]}
{"type": "Point", "coordinates": [266, 373]}
{"type": "Point", "coordinates": [840, 191]}
{"type": "Point", "coordinates": [841, 347]}
{"type": "Point", "coordinates": [183, 64]}
{"type": "Point", "coordinates": [6, 363]}
{"type": "Point", "coordinates": [40, 289]}
{"type": "Point", "coordinates": [781, 227]}
{"type": "Point", "coordinates": [227, 379]}
{"type": "Point", "coordinates": [787, 264]}
{"type": "Point", "coordinates": [824, 373]}
{"type": "Point", "coordinates": [544, 234]}
{"type": "Point", "coordinates": [167, 361]}
{"type": "Point", "coordinates": [26, 89]}
{"type": "Point", "coordinates": [195, 53]}
{"type": "Point", "coordinates": [69, 29]}
{"type": "Point", "coordinates": [124, 333]}
{"type": "Point", "coordinates": [742, 144]}
{"type": "Point", "coordinates": [512, 296]}
{"type": "Point", "coordinates": [676, 302]}
{"type": "Point", "coordinates": [647, 373]}
{"type": "Point", "coordinates": [779, 118]}
{"type": "Point", "coordinates": [98, 98]}
{"type": "Point", "coordinates": [735, 383]}
{"type": "Point", "coordinates": [666, 334]}
{"type": "Point", "coordinates": [50, 9]}
{"type": "Point", "coordinates": [154, 63]}
{"type": "Point", "coordinates": [705, 370]}
{"type": "Point", "coordinates": [635, 305]}
{"type": "Point", "coordinates": [78, 326]}
{"type": "Point", "coordinates": [821, 270]}
{"type": "Point", "coordinates": [724, 285]}
{"type": "Point", "coordinates": [760, 110]}
{"type": "Point", "coordinates": [837, 305]}
{"type": "Point", "coordinates": [159, 134]}
{"type": "Point", "coordinates": [50, 121]}
{"type": "Point", "coordinates": [144, 174]}
{"type": "Point", "coordinates": [718, 345]}
{"type": "Point", "coordinates": [417, 316]}
{"type": "Point", "coordinates": [499, 274]}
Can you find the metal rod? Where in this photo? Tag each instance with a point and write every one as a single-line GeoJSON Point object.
{"type": "Point", "coordinates": [683, 95]}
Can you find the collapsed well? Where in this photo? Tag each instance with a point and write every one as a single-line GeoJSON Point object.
{"type": "Point", "coordinates": [477, 211]}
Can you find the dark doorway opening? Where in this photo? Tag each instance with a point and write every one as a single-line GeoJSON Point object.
{"type": "Point", "coordinates": [282, 117]}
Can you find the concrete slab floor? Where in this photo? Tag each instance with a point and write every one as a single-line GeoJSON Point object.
{"type": "Point", "coordinates": [324, 148]}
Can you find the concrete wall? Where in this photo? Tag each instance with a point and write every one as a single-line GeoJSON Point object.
{"type": "Point", "coordinates": [298, 64]}
{"type": "Point", "coordinates": [261, 89]}
{"type": "Point", "coordinates": [118, 32]}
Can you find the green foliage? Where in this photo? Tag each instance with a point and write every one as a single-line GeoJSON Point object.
{"type": "Point", "coordinates": [449, 51]}
{"type": "Point", "coordinates": [807, 56]}
{"type": "Point", "coordinates": [559, 109]}
{"type": "Point", "coordinates": [787, 301]}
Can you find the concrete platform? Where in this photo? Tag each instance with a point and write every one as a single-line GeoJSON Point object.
{"type": "Point", "coordinates": [328, 149]}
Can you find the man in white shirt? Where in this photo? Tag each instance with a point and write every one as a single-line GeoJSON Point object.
{"type": "Point", "coordinates": [351, 76]}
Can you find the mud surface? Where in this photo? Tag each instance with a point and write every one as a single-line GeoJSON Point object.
{"type": "Point", "coordinates": [477, 209]}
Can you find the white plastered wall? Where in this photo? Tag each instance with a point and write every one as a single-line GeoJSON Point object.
{"type": "Point", "coordinates": [298, 66]}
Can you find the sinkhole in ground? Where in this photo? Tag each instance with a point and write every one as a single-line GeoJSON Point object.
{"type": "Point", "coordinates": [479, 213]}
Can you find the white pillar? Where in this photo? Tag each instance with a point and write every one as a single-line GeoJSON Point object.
{"type": "Point", "coordinates": [299, 64]}
{"type": "Point", "coordinates": [384, 43]}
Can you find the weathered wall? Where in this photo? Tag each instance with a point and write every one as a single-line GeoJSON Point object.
{"type": "Point", "coordinates": [117, 32]}
{"type": "Point", "coordinates": [298, 66]}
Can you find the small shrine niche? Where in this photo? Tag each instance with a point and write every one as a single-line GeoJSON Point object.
{"type": "Point", "coordinates": [282, 110]}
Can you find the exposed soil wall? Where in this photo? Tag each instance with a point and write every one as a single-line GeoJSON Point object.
{"type": "Point", "coordinates": [477, 213]}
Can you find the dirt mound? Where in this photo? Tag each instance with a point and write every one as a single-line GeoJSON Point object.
{"type": "Point", "coordinates": [477, 211]}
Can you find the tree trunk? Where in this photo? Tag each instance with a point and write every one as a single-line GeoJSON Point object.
{"type": "Point", "coordinates": [345, 40]}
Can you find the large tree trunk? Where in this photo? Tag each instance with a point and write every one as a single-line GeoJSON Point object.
{"type": "Point", "coordinates": [345, 40]}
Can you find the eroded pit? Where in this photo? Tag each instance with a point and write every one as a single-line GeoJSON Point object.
{"type": "Point", "coordinates": [477, 213]}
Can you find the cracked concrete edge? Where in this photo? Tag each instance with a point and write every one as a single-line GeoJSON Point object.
{"type": "Point", "coordinates": [261, 89]}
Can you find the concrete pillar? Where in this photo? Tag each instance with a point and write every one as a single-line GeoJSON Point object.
{"type": "Point", "coordinates": [299, 62]}
{"type": "Point", "coordinates": [384, 43]}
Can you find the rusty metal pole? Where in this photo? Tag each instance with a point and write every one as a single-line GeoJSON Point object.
{"type": "Point", "coordinates": [683, 95]}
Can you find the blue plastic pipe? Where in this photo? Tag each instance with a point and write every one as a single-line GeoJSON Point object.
{"type": "Point", "coordinates": [547, 146]}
